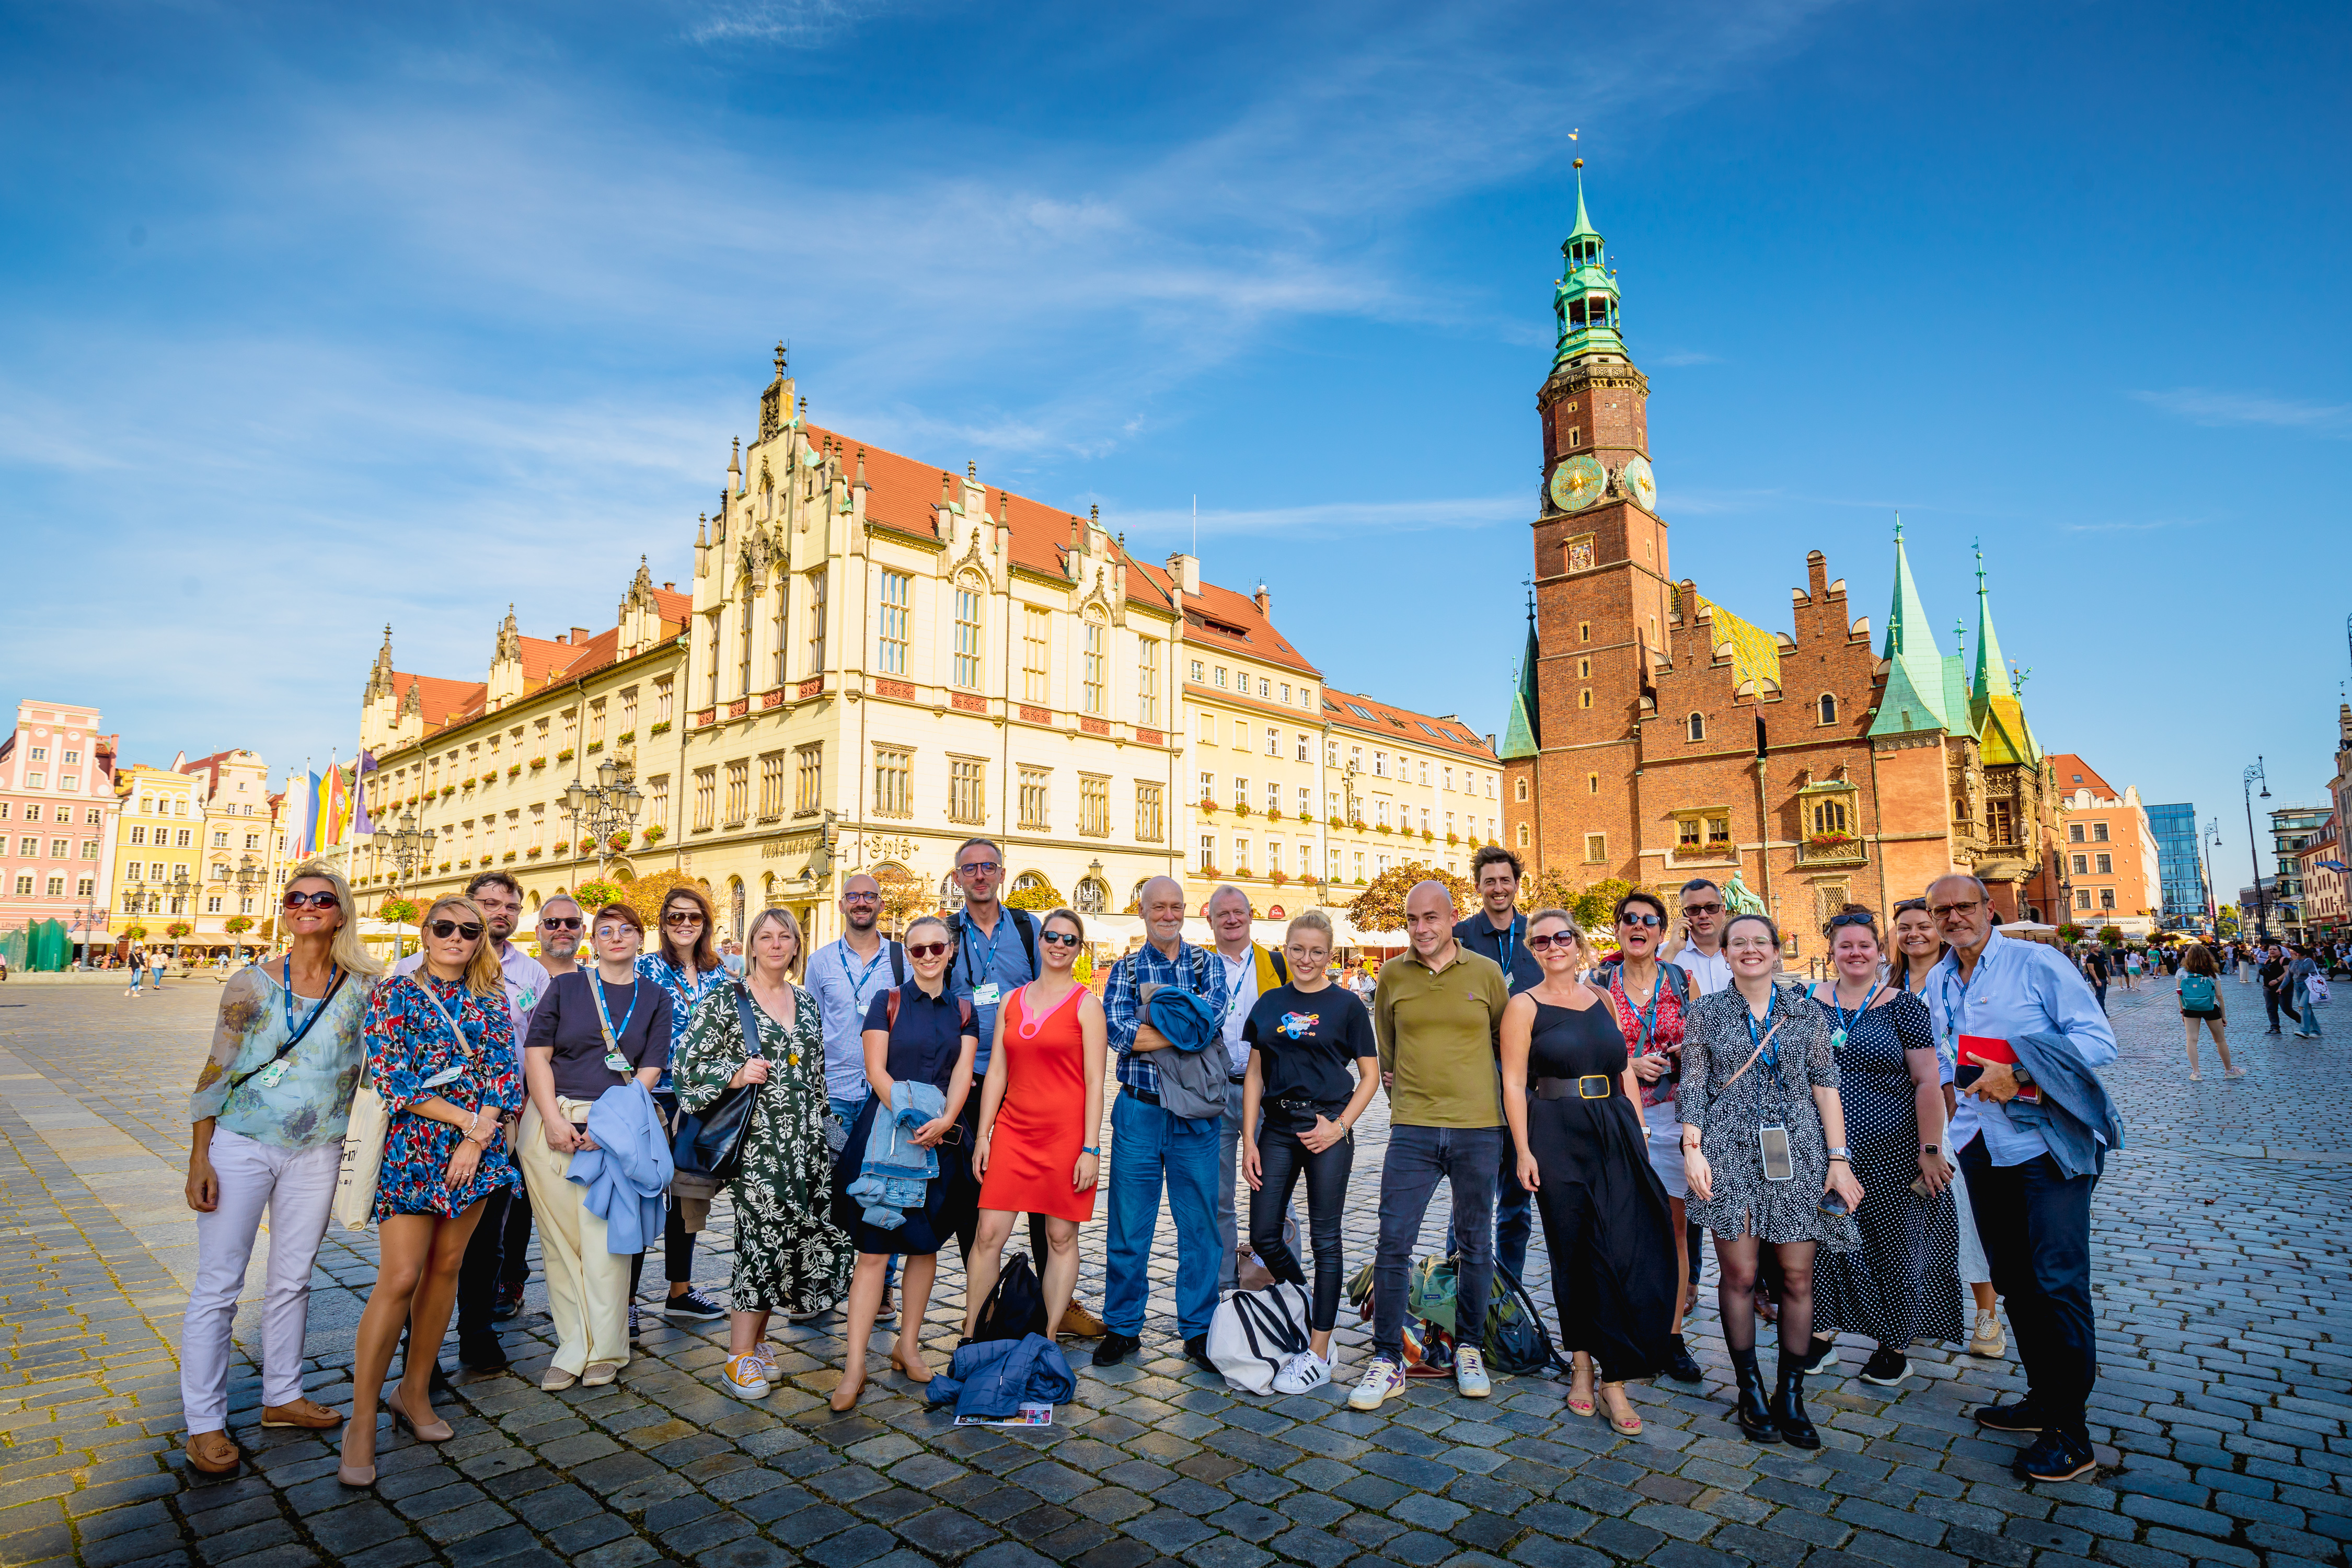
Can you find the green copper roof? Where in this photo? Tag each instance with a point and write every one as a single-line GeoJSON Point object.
{"type": "Point", "coordinates": [1584, 300]}
{"type": "Point", "coordinates": [1914, 698]}
{"type": "Point", "coordinates": [2004, 737]}
{"type": "Point", "coordinates": [1521, 736]}
{"type": "Point", "coordinates": [1583, 229]}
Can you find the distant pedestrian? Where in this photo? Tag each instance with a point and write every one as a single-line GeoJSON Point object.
{"type": "Point", "coordinates": [138, 970]}
{"type": "Point", "coordinates": [2094, 965]}
{"type": "Point", "coordinates": [2200, 1002]}
{"type": "Point", "coordinates": [2300, 973]}
{"type": "Point", "coordinates": [2273, 975]}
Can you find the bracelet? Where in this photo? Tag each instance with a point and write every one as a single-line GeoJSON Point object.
{"type": "Point", "coordinates": [1096, 1152]}
{"type": "Point", "coordinates": [1840, 1160]}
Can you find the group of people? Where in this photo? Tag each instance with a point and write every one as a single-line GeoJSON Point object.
{"type": "Point", "coordinates": [902, 1093]}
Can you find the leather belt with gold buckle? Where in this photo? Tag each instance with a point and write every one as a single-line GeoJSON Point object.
{"type": "Point", "coordinates": [1582, 1087]}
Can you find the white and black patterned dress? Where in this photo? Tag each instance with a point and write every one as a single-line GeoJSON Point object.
{"type": "Point", "coordinates": [1904, 1283]}
{"type": "Point", "coordinates": [1778, 1090]}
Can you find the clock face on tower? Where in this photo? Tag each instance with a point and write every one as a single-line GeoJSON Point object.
{"type": "Point", "coordinates": [1639, 483]}
{"type": "Point", "coordinates": [1578, 483]}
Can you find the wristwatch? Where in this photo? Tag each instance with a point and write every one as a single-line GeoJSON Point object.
{"type": "Point", "coordinates": [2017, 1071]}
{"type": "Point", "coordinates": [1930, 1149]}
{"type": "Point", "coordinates": [1096, 1152]}
{"type": "Point", "coordinates": [1842, 1153]}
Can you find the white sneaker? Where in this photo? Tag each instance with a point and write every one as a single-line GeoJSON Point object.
{"type": "Point", "coordinates": [767, 1353]}
{"type": "Point", "coordinates": [1383, 1380]}
{"type": "Point", "coordinates": [1987, 1340]}
{"type": "Point", "coordinates": [745, 1377]}
{"type": "Point", "coordinates": [1470, 1379]}
{"type": "Point", "coordinates": [1302, 1372]}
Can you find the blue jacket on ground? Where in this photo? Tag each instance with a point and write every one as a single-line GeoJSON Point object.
{"type": "Point", "coordinates": [629, 1171]}
{"type": "Point", "coordinates": [989, 1379]}
{"type": "Point", "coordinates": [893, 1175]}
{"type": "Point", "coordinates": [2077, 1118]}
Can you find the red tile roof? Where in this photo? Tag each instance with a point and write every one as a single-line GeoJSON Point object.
{"type": "Point", "coordinates": [2072, 774]}
{"type": "Point", "coordinates": [1403, 724]}
{"type": "Point", "coordinates": [545, 662]}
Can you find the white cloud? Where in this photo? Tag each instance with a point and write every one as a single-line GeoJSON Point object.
{"type": "Point", "coordinates": [2205, 406]}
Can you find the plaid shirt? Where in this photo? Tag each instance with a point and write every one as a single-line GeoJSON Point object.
{"type": "Point", "coordinates": [1194, 969]}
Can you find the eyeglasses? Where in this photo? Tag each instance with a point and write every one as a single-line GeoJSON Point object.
{"type": "Point", "coordinates": [970, 866]}
{"type": "Point", "coordinates": [1630, 919]}
{"type": "Point", "coordinates": [1549, 940]}
{"type": "Point", "coordinates": [616, 931]}
{"type": "Point", "coordinates": [1702, 909]}
{"type": "Point", "coordinates": [1059, 938]}
{"type": "Point", "coordinates": [558, 922]}
{"type": "Point", "coordinates": [927, 949]}
{"type": "Point", "coordinates": [1945, 911]}
{"type": "Point", "coordinates": [445, 930]}
{"type": "Point", "coordinates": [681, 918]}
{"type": "Point", "coordinates": [315, 900]}
{"type": "Point", "coordinates": [861, 898]}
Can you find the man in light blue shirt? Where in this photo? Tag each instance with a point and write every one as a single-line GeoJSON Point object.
{"type": "Point", "coordinates": [845, 975]}
{"type": "Point", "coordinates": [2033, 1219]}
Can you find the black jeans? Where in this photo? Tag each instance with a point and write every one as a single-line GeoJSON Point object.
{"type": "Point", "coordinates": [1283, 1159]}
{"type": "Point", "coordinates": [2035, 1224]}
{"type": "Point", "coordinates": [479, 1275]}
{"type": "Point", "coordinates": [2277, 1002]}
{"type": "Point", "coordinates": [514, 1243]}
{"type": "Point", "coordinates": [677, 1242]}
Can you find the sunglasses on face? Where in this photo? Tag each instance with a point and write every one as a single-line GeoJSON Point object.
{"type": "Point", "coordinates": [312, 900]}
{"type": "Point", "coordinates": [681, 918]}
{"type": "Point", "coordinates": [1630, 919]}
{"type": "Point", "coordinates": [1702, 909]}
{"type": "Point", "coordinates": [1544, 942]}
{"type": "Point", "coordinates": [445, 930]}
{"type": "Point", "coordinates": [1059, 938]}
{"type": "Point", "coordinates": [973, 868]}
{"type": "Point", "coordinates": [557, 923]}
{"type": "Point", "coordinates": [927, 949]}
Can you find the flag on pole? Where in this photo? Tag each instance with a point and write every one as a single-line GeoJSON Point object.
{"type": "Point", "coordinates": [308, 809]}
{"type": "Point", "coordinates": [334, 806]}
{"type": "Point", "coordinates": [362, 825]}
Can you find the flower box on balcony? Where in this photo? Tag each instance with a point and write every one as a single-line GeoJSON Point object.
{"type": "Point", "coordinates": [628, 737]}
{"type": "Point", "coordinates": [1207, 805]}
{"type": "Point", "coordinates": [660, 728]}
{"type": "Point", "coordinates": [1242, 808]}
{"type": "Point", "coordinates": [514, 770]}
{"type": "Point", "coordinates": [539, 761]}
{"type": "Point", "coordinates": [565, 756]}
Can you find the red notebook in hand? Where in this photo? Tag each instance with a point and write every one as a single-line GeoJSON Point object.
{"type": "Point", "coordinates": [1991, 1049]}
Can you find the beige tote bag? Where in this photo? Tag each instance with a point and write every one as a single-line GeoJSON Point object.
{"type": "Point", "coordinates": [362, 1159]}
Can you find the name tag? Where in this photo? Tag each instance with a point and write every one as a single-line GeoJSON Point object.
{"type": "Point", "coordinates": [986, 996]}
{"type": "Point", "coordinates": [271, 1076]}
{"type": "Point", "coordinates": [616, 1061]}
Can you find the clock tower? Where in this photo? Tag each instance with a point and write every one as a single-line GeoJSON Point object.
{"type": "Point", "coordinates": [1604, 593]}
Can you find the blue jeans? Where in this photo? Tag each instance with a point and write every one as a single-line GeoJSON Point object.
{"type": "Point", "coordinates": [2310, 1025]}
{"type": "Point", "coordinates": [846, 1112]}
{"type": "Point", "coordinates": [1515, 1216]}
{"type": "Point", "coordinates": [1150, 1147]}
{"type": "Point", "coordinates": [1417, 1158]}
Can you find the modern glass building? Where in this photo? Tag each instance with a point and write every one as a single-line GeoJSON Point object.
{"type": "Point", "coordinates": [2175, 827]}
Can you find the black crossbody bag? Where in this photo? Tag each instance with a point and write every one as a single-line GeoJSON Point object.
{"type": "Point", "coordinates": [710, 1141]}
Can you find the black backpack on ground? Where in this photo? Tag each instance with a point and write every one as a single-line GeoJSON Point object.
{"type": "Point", "coordinates": [1015, 1308]}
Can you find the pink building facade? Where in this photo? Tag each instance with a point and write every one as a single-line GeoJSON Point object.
{"type": "Point", "coordinates": [57, 821]}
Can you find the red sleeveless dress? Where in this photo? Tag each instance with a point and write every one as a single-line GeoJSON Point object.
{"type": "Point", "coordinates": [1041, 1127]}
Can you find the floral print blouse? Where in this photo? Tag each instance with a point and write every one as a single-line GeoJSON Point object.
{"type": "Point", "coordinates": [303, 1102]}
{"type": "Point", "coordinates": [686, 988]}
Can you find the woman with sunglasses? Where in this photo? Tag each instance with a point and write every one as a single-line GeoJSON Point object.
{"type": "Point", "coordinates": [684, 962]}
{"type": "Point", "coordinates": [1570, 1094]}
{"type": "Point", "coordinates": [1904, 1283]}
{"type": "Point", "coordinates": [268, 1117]}
{"type": "Point", "coordinates": [1040, 1113]}
{"type": "Point", "coordinates": [1764, 1152]}
{"type": "Point", "coordinates": [920, 1035]}
{"type": "Point", "coordinates": [593, 1031]}
{"type": "Point", "coordinates": [1918, 948]}
{"type": "Point", "coordinates": [1648, 998]}
{"type": "Point", "coordinates": [441, 1052]}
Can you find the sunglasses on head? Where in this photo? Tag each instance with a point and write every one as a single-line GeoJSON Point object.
{"type": "Point", "coordinates": [1904, 906]}
{"type": "Point", "coordinates": [1638, 918]}
{"type": "Point", "coordinates": [445, 930]}
{"type": "Point", "coordinates": [1059, 938]}
{"type": "Point", "coordinates": [559, 922]}
{"type": "Point", "coordinates": [927, 949]}
{"type": "Point", "coordinates": [1853, 920]}
{"type": "Point", "coordinates": [293, 900]}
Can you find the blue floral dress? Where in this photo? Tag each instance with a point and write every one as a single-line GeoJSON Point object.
{"type": "Point", "coordinates": [686, 988]}
{"type": "Point", "coordinates": [411, 1056]}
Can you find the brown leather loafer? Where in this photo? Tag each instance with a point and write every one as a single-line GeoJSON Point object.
{"type": "Point", "coordinates": [1077, 1324]}
{"type": "Point", "coordinates": [213, 1453]}
{"type": "Point", "coordinates": [308, 1414]}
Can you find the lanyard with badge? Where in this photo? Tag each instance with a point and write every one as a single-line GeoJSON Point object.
{"type": "Point", "coordinates": [614, 1059]}
{"type": "Point", "coordinates": [273, 1072]}
{"type": "Point", "coordinates": [464, 1047]}
{"type": "Point", "coordinates": [1837, 1039]}
{"type": "Point", "coordinates": [1771, 1137]}
{"type": "Point", "coordinates": [985, 990]}
{"type": "Point", "coordinates": [1506, 944]}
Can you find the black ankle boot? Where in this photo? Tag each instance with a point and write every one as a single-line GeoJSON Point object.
{"type": "Point", "coordinates": [1788, 1405]}
{"type": "Point", "coordinates": [1754, 1415]}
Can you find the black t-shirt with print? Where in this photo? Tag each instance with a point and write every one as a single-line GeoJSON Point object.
{"type": "Point", "coordinates": [1307, 1044]}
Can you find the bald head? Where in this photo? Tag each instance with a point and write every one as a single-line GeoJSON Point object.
{"type": "Point", "coordinates": [1429, 921]}
{"type": "Point", "coordinates": [1162, 901]}
{"type": "Point", "coordinates": [861, 901]}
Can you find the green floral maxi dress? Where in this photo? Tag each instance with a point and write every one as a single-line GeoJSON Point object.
{"type": "Point", "coordinates": [789, 1254]}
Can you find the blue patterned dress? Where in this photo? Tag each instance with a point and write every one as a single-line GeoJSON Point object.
{"type": "Point", "coordinates": [409, 1050]}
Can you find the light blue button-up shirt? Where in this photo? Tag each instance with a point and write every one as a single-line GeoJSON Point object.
{"type": "Point", "coordinates": [1002, 957]}
{"type": "Point", "coordinates": [844, 986]}
{"type": "Point", "coordinates": [2018, 988]}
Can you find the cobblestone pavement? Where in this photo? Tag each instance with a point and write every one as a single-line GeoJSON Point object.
{"type": "Point", "coordinates": [2221, 1266]}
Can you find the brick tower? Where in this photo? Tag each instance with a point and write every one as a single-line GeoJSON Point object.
{"type": "Point", "coordinates": [1604, 590]}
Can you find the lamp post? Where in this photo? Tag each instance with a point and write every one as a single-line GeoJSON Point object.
{"type": "Point", "coordinates": [2253, 854]}
{"type": "Point", "coordinates": [183, 892]}
{"type": "Point", "coordinates": [406, 845]}
{"type": "Point", "coordinates": [604, 808]}
{"type": "Point", "coordinates": [249, 877]}
{"type": "Point", "coordinates": [2211, 838]}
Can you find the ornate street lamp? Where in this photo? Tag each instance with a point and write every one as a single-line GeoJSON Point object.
{"type": "Point", "coordinates": [408, 846]}
{"type": "Point", "coordinates": [604, 808]}
{"type": "Point", "coordinates": [2262, 904]}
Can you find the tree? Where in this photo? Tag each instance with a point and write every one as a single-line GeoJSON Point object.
{"type": "Point", "coordinates": [1037, 899]}
{"type": "Point", "coordinates": [903, 896]}
{"type": "Point", "coordinates": [1595, 905]}
{"type": "Point", "coordinates": [1381, 906]}
{"type": "Point", "coordinates": [645, 895]}
{"type": "Point", "coordinates": [1546, 888]}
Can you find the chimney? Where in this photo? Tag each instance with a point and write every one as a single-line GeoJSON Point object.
{"type": "Point", "coordinates": [1185, 571]}
{"type": "Point", "coordinates": [669, 587]}
{"type": "Point", "coordinates": [1265, 602]}
{"type": "Point", "coordinates": [579, 635]}
{"type": "Point", "coordinates": [558, 637]}
{"type": "Point", "coordinates": [1490, 741]}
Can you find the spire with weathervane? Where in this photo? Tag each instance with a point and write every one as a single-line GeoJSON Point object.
{"type": "Point", "coordinates": [1522, 733]}
{"type": "Point", "coordinates": [2002, 736]}
{"type": "Point", "coordinates": [1914, 696]}
{"type": "Point", "coordinates": [1584, 299]}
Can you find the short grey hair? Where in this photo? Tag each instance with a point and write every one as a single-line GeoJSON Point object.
{"type": "Point", "coordinates": [1982, 891]}
{"type": "Point", "coordinates": [1223, 888]}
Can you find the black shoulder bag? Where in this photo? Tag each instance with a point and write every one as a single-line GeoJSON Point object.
{"type": "Point", "coordinates": [710, 1141]}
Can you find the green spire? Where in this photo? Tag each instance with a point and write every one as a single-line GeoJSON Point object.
{"type": "Point", "coordinates": [1521, 736]}
{"type": "Point", "coordinates": [1992, 674]}
{"type": "Point", "coordinates": [1915, 696]}
{"type": "Point", "coordinates": [1584, 299]}
{"type": "Point", "coordinates": [2004, 737]}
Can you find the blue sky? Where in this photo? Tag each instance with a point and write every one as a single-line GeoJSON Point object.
{"type": "Point", "coordinates": [316, 318]}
